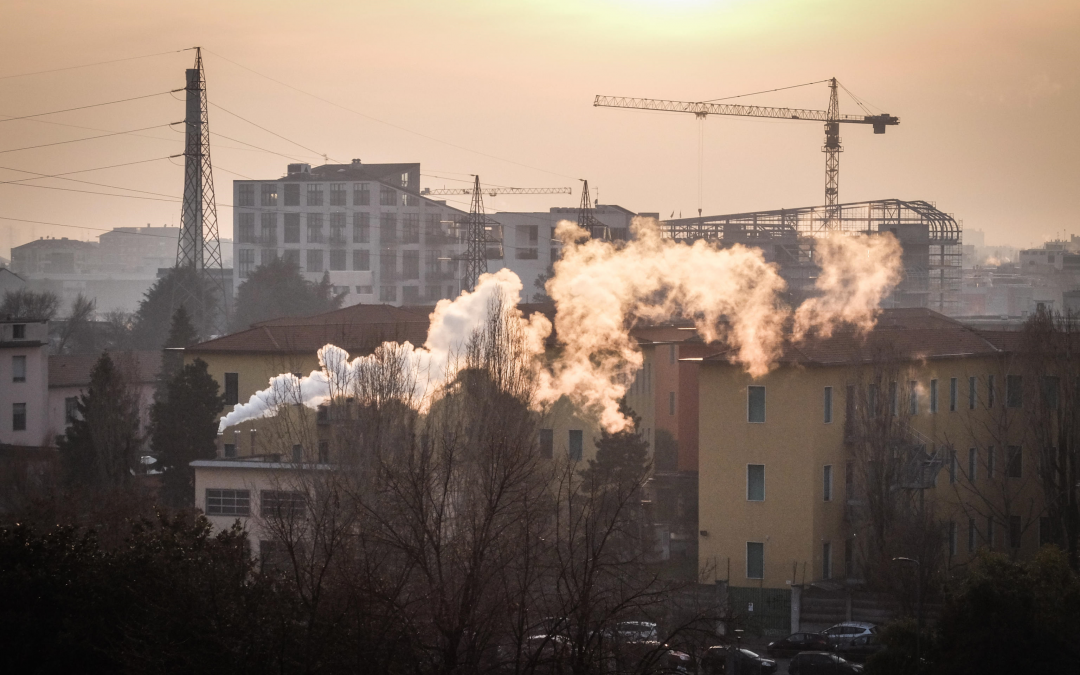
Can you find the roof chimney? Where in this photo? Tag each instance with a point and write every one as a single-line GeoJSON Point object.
{"type": "Point", "coordinates": [356, 162]}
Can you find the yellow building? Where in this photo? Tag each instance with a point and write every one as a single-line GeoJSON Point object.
{"type": "Point", "coordinates": [787, 467]}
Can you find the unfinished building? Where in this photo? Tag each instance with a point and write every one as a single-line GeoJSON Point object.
{"type": "Point", "coordinates": [931, 242]}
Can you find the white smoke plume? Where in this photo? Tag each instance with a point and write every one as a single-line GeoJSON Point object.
{"type": "Point", "coordinates": [452, 324]}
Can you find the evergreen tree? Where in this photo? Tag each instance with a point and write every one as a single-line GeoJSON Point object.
{"type": "Point", "coordinates": [153, 319]}
{"type": "Point", "coordinates": [622, 458]}
{"type": "Point", "coordinates": [277, 289]}
{"type": "Point", "coordinates": [101, 446]}
{"type": "Point", "coordinates": [181, 334]}
{"type": "Point", "coordinates": [183, 428]}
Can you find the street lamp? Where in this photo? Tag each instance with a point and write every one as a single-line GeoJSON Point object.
{"type": "Point", "coordinates": [918, 609]}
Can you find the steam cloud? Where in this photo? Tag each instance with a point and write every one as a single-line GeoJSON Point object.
{"type": "Point", "coordinates": [601, 289]}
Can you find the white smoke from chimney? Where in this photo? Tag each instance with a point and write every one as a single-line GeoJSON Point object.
{"type": "Point", "coordinates": [857, 272]}
{"type": "Point", "coordinates": [452, 324]}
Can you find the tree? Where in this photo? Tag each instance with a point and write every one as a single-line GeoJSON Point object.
{"type": "Point", "coordinates": [100, 447]}
{"type": "Point", "coordinates": [153, 319]}
{"type": "Point", "coordinates": [183, 428]}
{"type": "Point", "coordinates": [621, 457]}
{"type": "Point", "coordinates": [277, 289]}
{"type": "Point", "coordinates": [29, 305]}
{"type": "Point", "coordinates": [181, 334]}
{"type": "Point", "coordinates": [77, 334]}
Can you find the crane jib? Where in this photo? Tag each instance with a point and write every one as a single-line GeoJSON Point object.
{"type": "Point", "coordinates": [701, 109]}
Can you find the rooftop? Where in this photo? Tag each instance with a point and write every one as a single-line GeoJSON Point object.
{"type": "Point", "coordinates": [73, 370]}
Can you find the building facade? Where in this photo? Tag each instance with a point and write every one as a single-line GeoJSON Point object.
{"type": "Point", "coordinates": [24, 380]}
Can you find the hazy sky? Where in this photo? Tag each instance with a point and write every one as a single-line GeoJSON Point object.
{"type": "Point", "coordinates": [988, 94]}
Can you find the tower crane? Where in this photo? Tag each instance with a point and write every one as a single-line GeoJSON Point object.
{"type": "Point", "coordinates": [831, 117]}
{"type": "Point", "coordinates": [494, 191]}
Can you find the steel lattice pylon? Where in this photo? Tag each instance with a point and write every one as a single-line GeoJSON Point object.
{"type": "Point", "coordinates": [199, 248]}
{"type": "Point", "coordinates": [476, 234]}
{"type": "Point", "coordinates": [587, 220]}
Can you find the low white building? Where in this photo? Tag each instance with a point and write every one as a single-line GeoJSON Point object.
{"type": "Point", "coordinates": [24, 382]}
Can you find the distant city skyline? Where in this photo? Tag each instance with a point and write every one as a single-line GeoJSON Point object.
{"type": "Point", "coordinates": [987, 96]}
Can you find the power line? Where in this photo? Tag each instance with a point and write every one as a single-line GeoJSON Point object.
{"type": "Point", "coordinates": [77, 140]}
{"type": "Point", "coordinates": [91, 192]}
{"type": "Point", "coordinates": [272, 132]}
{"type": "Point", "coordinates": [214, 133]}
{"type": "Point", "coordinates": [68, 173]}
{"type": "Point", "coordinates": [83, 227]}
{"type": "Point", "coordinates": [391, 124]}
{"type": "Point", "coordinates": [767, 91]}
{"type": "Point", "coordinates": [84, 107]}
{"type": "Point", "coordinates": [88, 65]}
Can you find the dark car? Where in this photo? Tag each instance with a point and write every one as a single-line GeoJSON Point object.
{"type": "Point", "coordinates": [799, 642]}
{"type": "Point", "coordinates": [861, 648]}
{"type": "Point", "coordinates": [715, 659]}
{"type": "Point", "coordinates": [821, 663]}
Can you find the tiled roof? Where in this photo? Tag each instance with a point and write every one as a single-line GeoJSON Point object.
{"type": "Point", "coordinates": [73, 370]}
{"type": "Point", "coordinates": [900, 334]}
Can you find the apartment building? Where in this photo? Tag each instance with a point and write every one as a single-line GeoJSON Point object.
{"type": "Point", "coordinates": [784, 498]}
{"type": "Point", "coordinates": [365, 224]}
{"type": "Point", "coordinates": [24, 377]}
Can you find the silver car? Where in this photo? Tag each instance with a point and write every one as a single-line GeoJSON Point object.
{"type": "Point", "coordinates": [842, 634]}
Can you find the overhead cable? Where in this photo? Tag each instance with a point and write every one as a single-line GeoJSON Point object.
{"type": "Point", "coordinates": [321, 154]}
{"type": "Point", "coordinates": [88, 65]}
{"type": "Point", "coordinates": [84, 107]}
{"type": "Point", "coordinates": [77, 140]}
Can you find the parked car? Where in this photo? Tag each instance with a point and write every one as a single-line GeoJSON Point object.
{"type": "Point", "coordinates": [843, 633]}
{"type": "Point", "coordinates": [715, 659]}
{"type": "Point", "coordinates": [799, 642]}
{"type": "Point", "coordinates": [821, 663]}
{"type": "Point", "coordinates": [861, 648]}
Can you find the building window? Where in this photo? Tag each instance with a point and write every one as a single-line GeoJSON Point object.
{"type": "Point", "coordinates": [268, 235]}
{"type": "Point", "coordinates": [952, 539]}
{"type": "Point", "coordinates": [232, 388]}
{"type": "Point", "coordinates": [849, 480]}
{"type": "Point", "coordinates": [990, 462]}
{"type": "Point", "coordinates": [18, 417]}
{"type": "Point", "coordinates": [547, 443]}
{"type": "Point", "coordinates": [269, 194]}
{"type": "Point", "coordinates": [410, 228]}
{"type": "Point", "coordinates": [672, 354]}
{"type": "Point", "coordinates": [973, 463]}
{"type": "Point", "coordinates": [18, 368]}
{"type": "Point", "coordinates": [230, 450]}
{"type": "Point", "coordinates": [245, 194]}
{"type": "Point", "coordinates": [337, 260]}
{"type": "Point", "coordinates": [245, 262]}
{"type": "Point", "coordinates": [387, 293]}
{"type": "Point", "coordinates": [971, 393]}
{"type": "Point", "coordinates": [388, 265]}
{"type": "Point", "coordinates": [577, 444]}
{"type": "Point", "coordinates": [826, 482]}
{"type": "Point", "coordinates": [387, 196]}
{"type": "Point", "coordinates": [1014, 391]}
{"type": "Point", "coordinates": [283, 504]}
{"type": "Point", "coordinates": [933, 396]}
{"type": "Point", "coordinates": [292, 194]}
{"type": "Point", "coordinates": [297, 453]}
{"type": "Point", "coordinates": [755, 404]}
{"type": "Point", "coordinates": [894, 399]}
{"type": "Point", "coordinates": [315, 260]}
{"type": "Point", "coordinates": [314, 228]}
{"type": "Point", "coordinates": [1050, 385]}
{"type": "Point", "coordinates": [387, 228]}
{"type": "Point", "coordinates": [755, 560]}
{"type": "Point", "coordinates": [990, 391]}
{"type": "Point", "coordinates": [314, 194]}
{"type": "Point", "coordinates": [671, 403]}
{"type": "Point", "coordinates": [361, 196]}
{"type": "Point", "coordinates": [1014, 467]}
{"type": "Point", "coordinates": [872, 399]}
{"type": "Point", "coordinates": [337, 228]}
{"type": "Point", "coordinates": [405, 180]}
{"type": "Point", "coordinates": [361, 260]}
{"type": "Point", "coordinates": [1045, 535]}
{"type": "Point", "coordinates": [952, 465]}
{"type": "Point", "coordinates": [913, 398]}
{"type": "Point", "coordinates": [71, 409]}
{"type": "Point", "coordinates": [953, 386]}
{"type": "Point", "coordinates": [18, 331]}
{"type": "Point", "coordinates": [849, 558]}
{"type": "Point", "coordinates": [361, 228]}
{"type": "Point", "coordinates": [1015, 531]}
{"type": "Point", "coordinates": [337, 194]}
{"type": "Point", "coordinates": [410, 264]}
{"type": "Point", "coordinates": [826, 560]}
{"type": "Point", "coordinates": [228, 502]}
{"type": "Point", "coordinates": [990, 532]}
{"type": "Point", "coordinates": [267, 256]}
{"type": "Point", "coordinates": [365, 290]}
{"type": "Point", "coordinates": [410, 295]}
{"type": "Point", "coordinates": [973, 535]}
{"type": "Point", "coordinates": [324, 452]}
{"type": "Point", "coordinates": [245, 228]}
{"type": "Point", "coordinates": [755, 482]}
{"type": "Point", "coordinates": [292, 228]}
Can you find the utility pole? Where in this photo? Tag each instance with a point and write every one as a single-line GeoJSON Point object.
{"type": "Point", "coordinates": [199, 249]}
{"type": "Point", "coordinates": [477, 240]}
